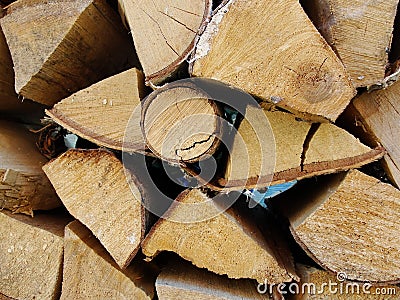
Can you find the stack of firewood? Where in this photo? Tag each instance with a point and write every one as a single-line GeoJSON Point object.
{"type": "Point", "coordinates": [142, 145]}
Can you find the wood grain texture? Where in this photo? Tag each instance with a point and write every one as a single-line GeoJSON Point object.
{"type": "Point", "coordinates": [277, 55]}
{"type": "Point", "coordinates": [180, 123]}
{"type": "Point", "coordinates": [378, 112]}
{"type": "Point", "coordinates": [41, 33]}
{"type": "Point", "coordinates": [360, 32]}
{"type": "Point", "coordinates": [24, 187]}
{"type": "Point", "coordinates": [95, 189]}
{"type": "Point", "coordinates": [104, 111]}
{"type": "Point", "coordinates": [180, 280]}
{"type": "Point", "coordinates": [351, 290]}
{"type": "Point", "coordinates": [291, 150]}
{"type": "Point", "coordinates": [90, 273]}
{"type": "Point", "coordinates": [223, 243]}
{"type": "Point", "coordinates": [31, 253]}
{"type": "Point", "coordinates": [168, 28]}
{"type": "Point", "coordinates": [348, 223]}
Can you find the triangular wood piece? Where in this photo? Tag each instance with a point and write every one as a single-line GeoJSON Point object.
{"type": "Point", "coordinates": [301, 150]}
{"type": "Point", "coordinates": [316, 282]}
{"type": "Point", "coordinates": [284, 62]}
{"type": "Point", "coordinates": [345, 222]}
{"type": "Point", "coordinates": [39, 33]}
{"type": "Point", "coordinates": [31, 254]}
{"type": "Point", "coordinates": [360, 32]}
{"type": "Point", "coordinates": [221, 241]}
{"type": "Point", "coordinates": [89, 271]}
{"type": "Point", "coordinates": [9, 103]}
{"type": "Point", "coordinates": [168, 27]}
{"type": "Point", "coordinates": [105, 203]}
{"type": "Point", "coordinates": [180, 123]}
{"type": "Point", "coordinates": [180, 280]}
{"type": "Point", "coordinates": [23, 185]}
{"type": "Point", "coordinates": [379, 114]}
{"type": "Point", "coordinates": [101, 113]}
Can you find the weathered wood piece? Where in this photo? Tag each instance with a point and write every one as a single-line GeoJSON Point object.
{"type": "Point", "coordinates": [31, 254]}
{"type": "Point", "coordinates": [101, 113]}
{"type": "Point", "coordinates": [348, 223]}
{"type": "Point", "coordinates": [277, 55]}
{"type": "Point", "coordinates": [315, 285]}
{"type": "Point", "coordinates": [180, 123]}
{"type": "Point", "coordinates": [184, 281]}
{"type": "Point", "coordinates": [360, 32]}
{"type": "Point", "coordinates": [90, 272]}
{"type": "Point", "coordinates": [223, 242]}
{"type": "Point", "coordinates": [60, 47]}
{"type": "Point", "coordinates": [168, 28]}
{"type": "Point", "coordinates": [94, 188]}
{"type": "Point", "coordinates": [378, 113]}
{"type": "Point", "coordinates": [301, 150]}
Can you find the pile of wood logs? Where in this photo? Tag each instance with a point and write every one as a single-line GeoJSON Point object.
{"type": "Point", "coordinates": [142, 145]}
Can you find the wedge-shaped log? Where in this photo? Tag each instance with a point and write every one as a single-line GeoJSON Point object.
{"type": "Point", "coordinates": [90, 272]}
{"type": "Point", "coordinates": [180, 123]}
{"type": "Point", "coordinates": [378, 112]}
{"type": "Point", "coordinates": [360, 32]}
{"type": "Point", "coordinates": [184, 281]}
{"type": "Point", "coordinates": [348, 223]}
{"type": "Point", "coordinates": [102, 112]}
{"type": "Point", "coordinates": [302, 150]}
{"type": "Point", "coordinates": [9, 103]}
{"type": "Point", "coordinates": [277, 55]}
{"type": "Point", "coordinates": [60, 47]}
{"type": "Point", "coordinates": [220, 241]}
{"type": "Point", "coordinates": [168, 28]}
{"type": "Point", "coordinates": [23, 185]}
{"type": "Point", "coordinates": [315, 285]}
{"type": "Point", "coordinates": [31, 253]}
{"type": "Point", "coordinates": [95, 190]}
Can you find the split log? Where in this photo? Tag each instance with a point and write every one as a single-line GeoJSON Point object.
{"type": "Point", "coordinates": [378, 113]}
{"type": "Point", "coordinates": [90, 273]}
{"type": "Point", "coordinates": [348, 223]}
{"type": "Point", "coordinates": [31, 253]}
{"type": "Point", "coordinates": [101, 113]}
{"type": "Point", "coordinates": [9, 103]}
{"type": "Point", "coordinates": [168, 28]}
{"type": "Point", "coordinates": [198, 230]}
{"type": "Point", "coordinates": [180, 123]}
{"type": "Point", "coordinates": [95, 189]}
{"type": "Point", "coordinates": [299, 150]}
{"type": "Point", "coordinates": [276, 55]}
{"type": "Point", "coordinates": [184, 281]}
{"type": "Point", "coordinates": [60, 47]}
{"type": "Point", "coordinates": [360, 32]}
{"type": "Point", "coordinates": [23, 185]}
{"type": "Point", "coordinates": [315, 285]}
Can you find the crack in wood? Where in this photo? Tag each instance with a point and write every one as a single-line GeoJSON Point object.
{"type": "Point", "coordinates": [193, 145]}
{"type": "Point", "coordinates": [310, 134]}
{"type": "Point", "coordinates": [161, 31]}
{"type": "Point", "coordinates": [177, 21]}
